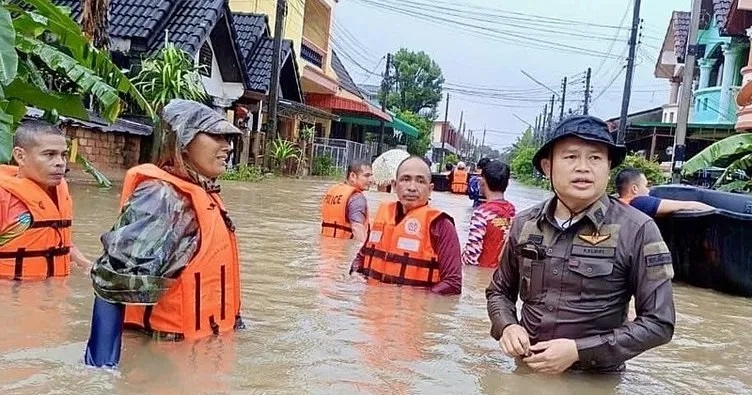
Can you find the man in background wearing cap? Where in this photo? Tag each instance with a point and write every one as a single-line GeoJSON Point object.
{"type": "Point", "coordinates": [576, 260]}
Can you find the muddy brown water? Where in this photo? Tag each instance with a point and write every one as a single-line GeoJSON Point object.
{"type": "Point", "coordinates": [312, 328]}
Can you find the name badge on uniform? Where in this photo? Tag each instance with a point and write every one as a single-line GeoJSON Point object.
{"type": "Point", "coordinates": [375, 236]}
{"type": "Point", "coordinates": [403, 243]}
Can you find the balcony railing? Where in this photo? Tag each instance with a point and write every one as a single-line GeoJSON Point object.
{"type": "Point", "coordinates": [312, 55]}
{"type": "Point", "coordinates": [708, 103]}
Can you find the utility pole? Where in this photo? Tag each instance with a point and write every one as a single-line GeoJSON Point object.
{"type": "Point", "coordinates": [630, 72]}
{"type": "Point", "coordinates": [385, 88]}
{"type": "Point", "coordinates": [459, 131]}
{"type": "Point", "coordinates": [279, 26]}
{"type": "Point", "coordinates": [542, 135]}
{"type": "Point", "coordinates": [586, 107]}
{"type": "Point", "coordinates": [463, 142]}
{"type": "Point", "coordinates": [686, 92]}
{"type": "Point", "coordinates": [563, 99]}
{"type": "Point", "coordinates": [444, 133]}
{"type": "Point", "coordinates": [550, 118]}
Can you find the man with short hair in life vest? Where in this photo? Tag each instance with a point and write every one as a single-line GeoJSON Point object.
{"type": "Point", "coordinates": [489, 222]}
{"type": "Point", "coordinates": [344, 209]}
{"type": "Point", "coordinates": [633, 189]}
{"type": "Point", "coordinates": [410, 242]}
{"type": "Point", "coordinates": [36, 210]}
{"type": "Point", "coordinates": [458, 179]}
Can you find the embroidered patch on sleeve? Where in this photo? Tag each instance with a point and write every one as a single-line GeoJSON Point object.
{"type": "Point", "coordinates": [658, 261]}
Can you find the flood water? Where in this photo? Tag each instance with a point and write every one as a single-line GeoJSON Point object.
{"type": "Point", "coordinates": [312, 328]}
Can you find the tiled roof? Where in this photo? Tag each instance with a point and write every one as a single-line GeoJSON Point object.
{"type": "Point", "coordinates": [260, 63]}
{"type": "Point", "coordinates": [250, 28]}
{"type": "Point", "coordinates": [189, 22]}
{"type": "Point", "coordinates": [257, 47]}
{"type": "Point", "coordinates": [680, 21]}
{"type": "Point", "coordinates": [722, 8]}
{"type": "Point", "coordinates": [345, 81]}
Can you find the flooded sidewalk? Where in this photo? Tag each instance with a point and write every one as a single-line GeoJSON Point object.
{"type": "Point", "coordinates": [312, 328]}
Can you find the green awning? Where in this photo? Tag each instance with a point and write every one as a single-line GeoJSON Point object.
{"type": "Point", "coordinates": [404, 127]}
{"type": "Point", "coordinates": [396, 124]}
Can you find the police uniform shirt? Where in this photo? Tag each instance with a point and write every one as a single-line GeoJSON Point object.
{"type": "Point", "coordinates": [576, 283]}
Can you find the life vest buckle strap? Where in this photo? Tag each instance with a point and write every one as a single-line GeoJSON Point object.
{"type": "Point", "coordinates": [54, 224]}
{"type": "Point", "coordinates": [389, 279]}
{"type": "Point", "coordinates": [213, 325]}
{"type": "Point", "coordinates": [336, 226]}
{"type": "Point", "coordinates": [396, 258]}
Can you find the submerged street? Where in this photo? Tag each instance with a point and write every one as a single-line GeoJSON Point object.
{"type": "Point", "coordinates": [314, 329]}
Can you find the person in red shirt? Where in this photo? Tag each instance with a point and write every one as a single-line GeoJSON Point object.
{"type": "Point", "coordinates": [411, 243]}
{"type": "Point", "coordinates": [490, 221]}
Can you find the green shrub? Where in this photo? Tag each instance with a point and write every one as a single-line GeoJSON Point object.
{"type": "Point", "coordinates": [247, 173]}
{"type": "Point", "coordinates": [323, 165]}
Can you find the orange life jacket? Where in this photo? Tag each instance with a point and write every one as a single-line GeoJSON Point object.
{"type": "Point", "coordinates": [459, 181]}
{"type": "Point", "coordinates": [334, 221]}
{"type": "Point", "coordinates": [205, 299]}
{"type": "Point", "coordinates": [401, 253]}
{"type": "Point", "coordinates": [43, 250]}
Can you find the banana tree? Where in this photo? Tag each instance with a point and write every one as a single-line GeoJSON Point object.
{"type": "Point", "coordinates": [733, 153]}
{"type": "Point", "coordinates": [40, 38]}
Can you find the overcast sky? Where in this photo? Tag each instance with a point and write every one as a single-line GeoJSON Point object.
{"type": "Point", "coordinates": [482, 49]}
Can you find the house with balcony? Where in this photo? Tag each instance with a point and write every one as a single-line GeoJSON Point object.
{"type": "Point", "coordinates": [713, 110]}
{"type": "Point", "coordinates": [256, 47]}
{"type": "Point", "coordinates": [736, 22]}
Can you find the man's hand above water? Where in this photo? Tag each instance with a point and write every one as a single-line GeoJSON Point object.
{"type": "Point", "coordinates": [553, 357]}
{"type": "Point", "coordinates": [515, 341]}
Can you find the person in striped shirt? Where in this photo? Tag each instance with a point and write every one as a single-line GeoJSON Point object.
{"type": "Point", "coordinates": [490, 221]}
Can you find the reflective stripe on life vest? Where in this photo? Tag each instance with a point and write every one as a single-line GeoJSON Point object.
{"type": "Point", "coordinates": [459, 181]}
{"type": "Point", "coordinates": [43, 250]}
{"type": "Point", "coordinates": [401, 253]}
{"type": "Point", "coordinates": [205, 299]}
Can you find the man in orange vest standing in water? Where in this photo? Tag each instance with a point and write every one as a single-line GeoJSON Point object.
{"type": "Point", "coordinates": [344, 209]}
{"type": "Point", "coordinates": [410, 242]}
{"type": "Point", "coordinates": [36, 210]}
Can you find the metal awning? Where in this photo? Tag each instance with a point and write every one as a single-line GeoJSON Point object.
{"type": "Point", "coordinates": [121, 125]}
{"type": "Point", "coordinates": [337, 103]}
{"type": "Point", "coordinates": [396, 124]}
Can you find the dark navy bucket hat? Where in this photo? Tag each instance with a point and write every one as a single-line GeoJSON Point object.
{"type": "Point", "coordinates": [587, 128]}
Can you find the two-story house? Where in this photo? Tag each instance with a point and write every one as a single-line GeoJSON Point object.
{"type": "Point", "coordinates": [737, 22]}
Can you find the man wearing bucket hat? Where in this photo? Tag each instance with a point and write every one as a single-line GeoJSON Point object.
{"type": "Point", "coordinates": [576, 260]}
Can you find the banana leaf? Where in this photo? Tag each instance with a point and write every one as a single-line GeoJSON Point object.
{"type": "Point", "coordinates": [720, 154]}
{"type": "Point", "coordinates": [100, 178]}
{"type": "Point", "coordinates": [6, 137]}
{"type": "Point", "coordinates": [65, 104]}
{"type": "Point", "coordinates": [68, 33]}
{"type": "Point", "coordinates": [87, 81]}
{"type": "Point", "coordinates": [744, 163]}
{"type": "Point", "coordinates": [8, 55]}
